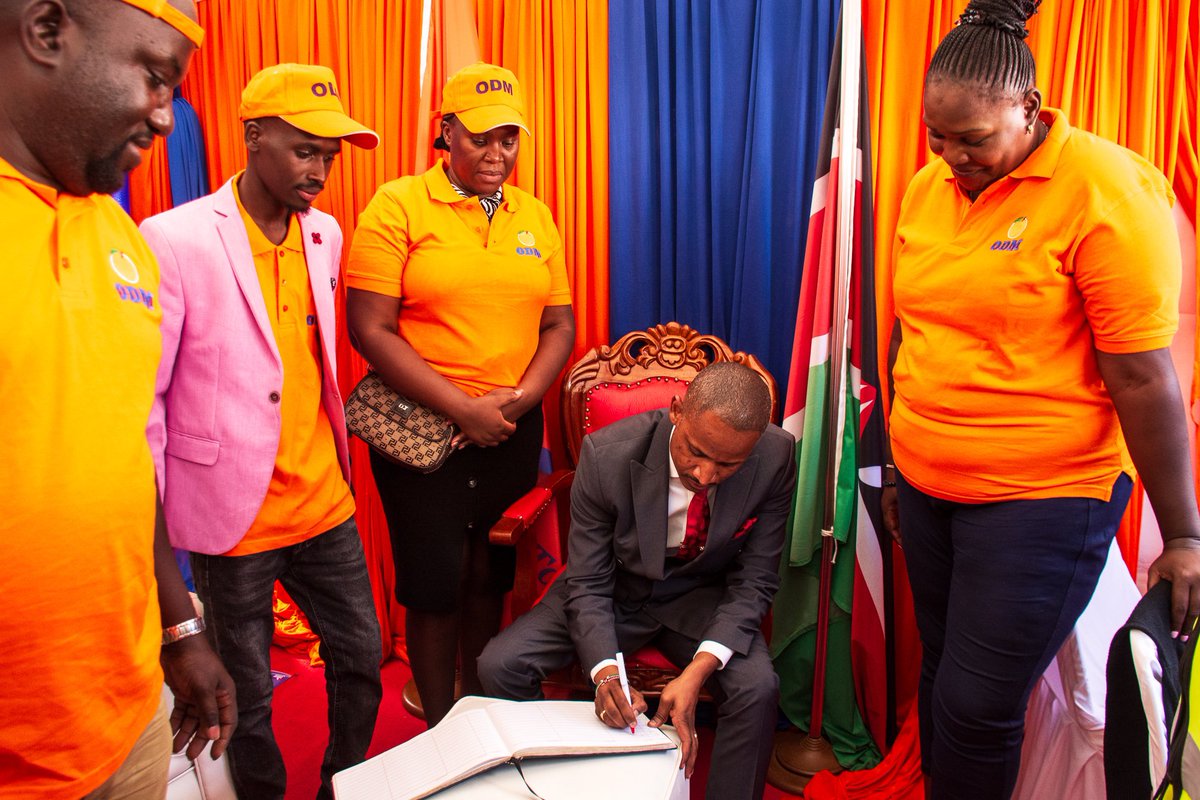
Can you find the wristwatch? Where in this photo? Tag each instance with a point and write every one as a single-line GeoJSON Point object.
{"type": "Point", "coordinates": [889, 476]}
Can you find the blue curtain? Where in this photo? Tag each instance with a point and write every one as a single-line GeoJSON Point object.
{"type": "Point", "coordinates": [715, 111]}
{"type": "Point", "coordinates": [122, 195]}
{"type": "Point", "coordinates": [185, 154]}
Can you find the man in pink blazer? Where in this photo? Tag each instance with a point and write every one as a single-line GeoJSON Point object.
{"type": "Point", "coordinates": [247, 428]}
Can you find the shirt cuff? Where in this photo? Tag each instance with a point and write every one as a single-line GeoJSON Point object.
{"type": "Point", "coordinates": [608, 662]}
{"type": "Point", "coordinates": [722, 653]}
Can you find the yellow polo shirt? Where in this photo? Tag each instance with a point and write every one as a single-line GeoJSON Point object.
{"type": "Point", "coordinates": [471, 293]}
{"type": "Point", "coordinates": [308, 494]}
{"type": "Point", "coordinates": [1003, 303]}
{"type": "Point", "coordinates": [79, 619]}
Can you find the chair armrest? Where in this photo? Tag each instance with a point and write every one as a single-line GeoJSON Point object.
{"type": "Point", "coordinates": [518, 518]}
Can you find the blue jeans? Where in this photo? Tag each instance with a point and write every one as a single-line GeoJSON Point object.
{"type": "Point", "coordinates": [327, 577]}
{"type": "Point", "coordinates": [997, 588]}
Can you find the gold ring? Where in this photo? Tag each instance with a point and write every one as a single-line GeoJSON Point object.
{"type": "Point", "coordinates": [603, 712]}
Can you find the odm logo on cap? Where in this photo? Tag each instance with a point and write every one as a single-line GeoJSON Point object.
{"type": "Point", "coordinates": [483, 97]}
{"type": "Point", "coordinates": [327, 88]}
{"type": "Point", "coordinates": [306, 97]}
{"type": "Point", "coordinates": [494, 85]}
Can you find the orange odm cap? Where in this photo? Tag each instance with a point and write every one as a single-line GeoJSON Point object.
{"type": "Point", "coordinates": [483, 97]}
{"type": "Point", "coordinates": [172, 16]}
{"type": "Point", "coordinates": [306, 97]}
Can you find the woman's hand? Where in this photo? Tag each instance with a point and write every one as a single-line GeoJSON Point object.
{"type": "Point", "coordinates": [891, 513]}
{"type": "Point", "coordinates": [1179, 564]}
{"type": "Point", "coordinates": [482, 419]}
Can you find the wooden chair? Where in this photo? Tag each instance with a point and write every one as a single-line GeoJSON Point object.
{"type": "Point", "coordinates": [643, 370]}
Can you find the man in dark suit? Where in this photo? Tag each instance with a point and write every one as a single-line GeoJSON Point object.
{"type": "Point", "coordinates": [677, 523]}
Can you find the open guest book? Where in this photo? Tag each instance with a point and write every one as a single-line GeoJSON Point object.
{"type": "Point", "coordinates": [479, 734]}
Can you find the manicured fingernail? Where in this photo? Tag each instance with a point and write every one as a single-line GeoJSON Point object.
{"type": "Point", "coordinates": [1174, 634]}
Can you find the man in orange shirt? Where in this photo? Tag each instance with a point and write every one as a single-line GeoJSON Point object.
{"type": "Point", "coordinates": [248, 429]}
{"type": "Point", "coordinates": [93, 611]}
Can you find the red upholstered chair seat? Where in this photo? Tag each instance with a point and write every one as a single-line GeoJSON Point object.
{"type": "Point", "coordinates": [651, 658]}
{"type": "Point", "coordinates": [641, 371]}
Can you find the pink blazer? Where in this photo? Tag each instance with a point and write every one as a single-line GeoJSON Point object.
{"type": "Point", "coordinates": [214, 428]}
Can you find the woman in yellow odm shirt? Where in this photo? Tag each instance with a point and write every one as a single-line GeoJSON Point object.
{"type": "Point", "coordinates": [458, 298]}
{"type": "Point", "coordinates": [1036, 288]}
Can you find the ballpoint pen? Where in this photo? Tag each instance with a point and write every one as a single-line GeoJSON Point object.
{"type": "Point", "coordinates": [625, 686]}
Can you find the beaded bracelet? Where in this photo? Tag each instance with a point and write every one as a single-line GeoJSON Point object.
{"type": "Point", "coordinates": [616, 676]}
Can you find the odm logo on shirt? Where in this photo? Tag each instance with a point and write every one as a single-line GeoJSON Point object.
{"type": "Point", "coordinates": [527, 239]}
{"type": "Point", "coordinates": [124, 268]}
{"type": "Point", "coordinates": [1013, 237]}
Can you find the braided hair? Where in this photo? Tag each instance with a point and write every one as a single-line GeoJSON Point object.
{"type": "Point", "coordinates": [987, 48]}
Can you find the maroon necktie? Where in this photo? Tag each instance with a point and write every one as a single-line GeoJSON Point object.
{"type": "Point", "coordinates": [695, 535]}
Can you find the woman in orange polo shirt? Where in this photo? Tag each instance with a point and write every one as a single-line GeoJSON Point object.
{"type": "Point", "coordinates": [1036, 286]}
{"type": "Point", "coordinates": [458, 298]}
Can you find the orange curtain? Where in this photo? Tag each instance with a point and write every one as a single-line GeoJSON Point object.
{"type": "Point", "coordinates": [1124, 70]}
{"type": "Point", "coordinates": [150, 183]}
{"type": "Point", "coordinates": [453, 44]}
{"type": "Point", "coordinates": [559, 51]}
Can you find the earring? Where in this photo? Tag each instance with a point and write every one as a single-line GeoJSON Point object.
{"type": "Point", "coordinates": [1029, 129]}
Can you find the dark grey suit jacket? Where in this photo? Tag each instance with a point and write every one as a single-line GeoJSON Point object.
{"type": "Point", "coordinates": [616, 565]}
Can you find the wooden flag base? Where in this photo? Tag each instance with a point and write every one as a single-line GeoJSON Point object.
{"type": "Point", "coordinates": [796, 758]}
{"type": "Point", "coordinates": [411, 700]}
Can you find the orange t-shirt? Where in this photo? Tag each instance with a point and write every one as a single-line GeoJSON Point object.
{"type": "Point", "coordinates": [308, 494]}
{"type": "Point", "coordinates": [1003, 303]}
{"type": "Point", "coordinates": [80, 627]}
{"type": "Point", "coordinates": [471, 292]}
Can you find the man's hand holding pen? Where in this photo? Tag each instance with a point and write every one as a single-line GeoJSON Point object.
{"type": "Point", "coordinates": [611, 706]}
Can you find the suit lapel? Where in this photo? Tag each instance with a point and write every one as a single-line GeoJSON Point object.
{"type": "Point", "coordinates": [322, 282]}
{"type": "Point", "coordinates": [232, 231]}
{"type": "Point", "coordinates": [649, 481]}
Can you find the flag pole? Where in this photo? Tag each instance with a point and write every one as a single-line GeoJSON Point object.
{"type": "Point", "coordinates": [846, 146]}
{"type": "Point", "coordinates": [812, 752]}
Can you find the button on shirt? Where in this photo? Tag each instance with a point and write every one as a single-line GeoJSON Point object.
{"type": "Point", "coordinates": [678, 500]}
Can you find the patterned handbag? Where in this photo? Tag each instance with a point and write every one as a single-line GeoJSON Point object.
{"type": "Point", "coordinates": [397, 428]}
